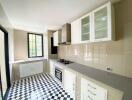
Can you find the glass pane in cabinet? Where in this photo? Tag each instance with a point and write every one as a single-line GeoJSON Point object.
{"type": "Point", "coordinates": [101, 23]}
{"type": "Point", "coordinates": [85, 28]}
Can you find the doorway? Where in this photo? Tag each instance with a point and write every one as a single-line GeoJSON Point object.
{"type": "Point", "coordinates": [4, 63]}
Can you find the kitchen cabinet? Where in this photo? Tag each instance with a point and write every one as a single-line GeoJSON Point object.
{"type": "Point", "coordinates": [81, 29]}
{"type": "Point", "coordinates": [91, 91]}
{"type": "Point", "coordinates": [52, 68]}
{"type": "Point", "coordinates": [57, 37]}
{"type": "Point", "coordinates": [75, 31]}
{"type": "Point", "coordinates": [86, 28]}
{"type": "Point", "coordinates": [70, 82]}
{"type": "Point", "coordinates": [98, 25]}
{"type": "Point", "coordinates": [102, 23]}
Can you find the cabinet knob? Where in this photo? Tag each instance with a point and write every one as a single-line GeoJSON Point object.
{"type": "Point", "coordinates": [91, 86]}
{"type": "Point", "coordinates": [90, 97]}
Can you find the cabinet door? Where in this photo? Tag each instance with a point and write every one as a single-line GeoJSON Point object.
{"type": "Point", "coordinates": [55, 36]}
{"type": "Point", "coordinates": [75, 31]}
{"type": "Point", "coordinates": [102, 23]}
{"type": "Point", "coordinates": [52, 68]}
{"type": "Point", "coordinates": [85, 28]}
{"type": "Point", "coordinates": [83, 89]}
{"type": "Point", "coordinates": [69, 83]}
{"type": "Point", "coordinates": [90, 91]}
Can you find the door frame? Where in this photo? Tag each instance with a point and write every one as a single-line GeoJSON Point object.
{"type": "Point", "coordinates": [6, 58]}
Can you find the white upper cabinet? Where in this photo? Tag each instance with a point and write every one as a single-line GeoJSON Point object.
{"type": "Point", "coordinates": [95, 26]}
{"type": "Point", "coordinates": [75, 31]}
{"type": "Point", "coordinates": [102, 23]}
{"type": "Point", "coordinates": [86, 30]}
{"type": "Point", "coordinates": [57, 38]}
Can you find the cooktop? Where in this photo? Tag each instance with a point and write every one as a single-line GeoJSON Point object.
{"type": "Point", "coordinates": [64, 61]}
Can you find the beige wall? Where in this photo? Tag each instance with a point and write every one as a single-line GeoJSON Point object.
{"type": "Point", "coordinates": [20, 45]}
{"type": "Point", "coordinates": [114, 54]}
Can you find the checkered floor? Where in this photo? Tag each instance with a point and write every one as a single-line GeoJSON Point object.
{"type": "Point", "coordinates": [37, 87]}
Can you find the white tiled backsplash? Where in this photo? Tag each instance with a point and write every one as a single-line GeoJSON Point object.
{"type": "Point", "coordinates": [100, 56]}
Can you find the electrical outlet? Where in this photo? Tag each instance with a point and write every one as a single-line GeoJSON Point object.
{"type": "Point", "coordinates": [109, 69]}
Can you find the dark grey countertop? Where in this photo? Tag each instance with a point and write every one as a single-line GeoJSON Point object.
{"type": "Point", "coordinates": [116, 81]}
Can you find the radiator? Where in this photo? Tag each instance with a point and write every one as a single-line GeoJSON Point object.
{"type": "Point", "coordinates": [31, 68]}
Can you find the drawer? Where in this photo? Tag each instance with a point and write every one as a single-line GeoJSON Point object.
{"type": "Point", "coordinates": [92, 88]}
{"type": "Point", "coordinates": [91, 91]}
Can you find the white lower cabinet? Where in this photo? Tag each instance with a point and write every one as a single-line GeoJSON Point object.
{"type": "Point", "coordinates": [52, 68]}
{"type": "Point", "coordinates": [70, 83]}
{"type": "Point", "coordinates": [90, 91]}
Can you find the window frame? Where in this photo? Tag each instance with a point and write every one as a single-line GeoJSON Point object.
{"type": "Point", "coordinates": [35, 45]}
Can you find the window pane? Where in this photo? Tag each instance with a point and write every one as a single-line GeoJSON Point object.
{"type": "Point", "coordinates": [30, 44]}
{"type": "Point", "coordinates": [32, 50]}
{"type": "Point", "coordinates": [30, 37]}
{"type": "Point", "coordinates": [35, 45]}
{"type": "Point", "coordinates": [39, 45]}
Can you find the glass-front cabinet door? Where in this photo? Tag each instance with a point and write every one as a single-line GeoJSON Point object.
{"type": "Point", "coordinates": [102, 23]}
{"type": "Point", "coordinates": [85, 28]}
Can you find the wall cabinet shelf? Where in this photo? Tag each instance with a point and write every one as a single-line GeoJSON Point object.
{"type": "Point", "coordinates": [95, 26]}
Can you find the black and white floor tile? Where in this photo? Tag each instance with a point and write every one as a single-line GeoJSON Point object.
{"type": "Point", "coordinates": [37, 87]}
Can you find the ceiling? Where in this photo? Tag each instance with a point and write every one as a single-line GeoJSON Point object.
{"type": "Point", "coordinates": [40, 15]}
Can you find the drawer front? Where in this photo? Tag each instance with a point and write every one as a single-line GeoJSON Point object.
{"type": "Point", "coordinates": [91, 91]}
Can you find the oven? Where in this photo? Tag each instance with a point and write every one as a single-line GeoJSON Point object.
{"type": "Point", "coordinates": [58, 74]}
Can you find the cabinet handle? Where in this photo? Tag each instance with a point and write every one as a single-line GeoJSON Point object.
{"type": "Point", "coordinates": [91, 93]}
{"type": "Point", "coordinates": [73, 86]}
{"type": "Point", "coordinates": [91, 86]}
{"type": "Point", "coordinates": [90, 97]}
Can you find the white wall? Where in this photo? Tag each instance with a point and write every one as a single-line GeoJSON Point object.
{"type": "Point", "coordinates": [2, 63]}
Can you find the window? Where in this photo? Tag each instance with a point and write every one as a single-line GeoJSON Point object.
{"type": "Point", "coordinates": [35, 45]}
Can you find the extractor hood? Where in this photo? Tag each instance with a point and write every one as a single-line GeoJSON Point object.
{"type": "Point", "coordinates": [66, 34]}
